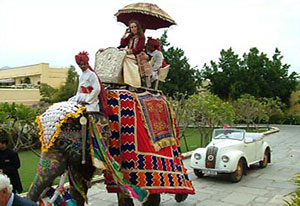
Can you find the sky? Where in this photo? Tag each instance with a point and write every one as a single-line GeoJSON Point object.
{"type": "Point", "coordinates": [53, 31]}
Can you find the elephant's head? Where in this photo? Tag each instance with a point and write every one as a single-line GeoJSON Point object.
{"type": "Point", "coordinates": [66, 153]}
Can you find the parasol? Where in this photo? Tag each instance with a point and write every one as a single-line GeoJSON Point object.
{"type": "Point", "coordinates": [150, 16]}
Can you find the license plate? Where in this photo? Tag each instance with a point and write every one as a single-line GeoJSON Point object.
{"type": "Point", "coordinates": [209, 172]}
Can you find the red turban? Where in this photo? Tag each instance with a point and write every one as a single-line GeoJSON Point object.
{"type": "Point", "coordinates": [83, 56]}
{"type": "Point", "coordinates": [154, 42]}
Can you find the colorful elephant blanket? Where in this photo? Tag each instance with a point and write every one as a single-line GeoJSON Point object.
{"type": "Point", "coordinates": [145, 142]}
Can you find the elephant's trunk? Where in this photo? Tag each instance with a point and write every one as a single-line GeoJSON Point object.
{"type": "Point", "coordinates": [52, 164]}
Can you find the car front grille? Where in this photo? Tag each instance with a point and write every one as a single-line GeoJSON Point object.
{"type": "Point", "coordinates": [211, 154]}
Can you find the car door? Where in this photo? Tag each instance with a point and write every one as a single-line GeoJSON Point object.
{"type": "Point", "coordinates": [250, 149]}
{"type": "Point", "coordinates": [259, 149]}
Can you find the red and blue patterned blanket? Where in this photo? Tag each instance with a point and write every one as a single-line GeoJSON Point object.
{"type": "Point", "coordinates": [132, 144]}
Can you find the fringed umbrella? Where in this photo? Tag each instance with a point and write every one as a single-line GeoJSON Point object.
{"type": "Point", "coordinates": [150, 16]}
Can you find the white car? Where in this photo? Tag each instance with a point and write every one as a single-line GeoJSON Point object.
{"type": "Point", "coordinates": [231, 151]}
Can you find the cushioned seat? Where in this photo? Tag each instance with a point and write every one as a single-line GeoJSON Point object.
{"type": "Point", "coordinates": [252, 137]}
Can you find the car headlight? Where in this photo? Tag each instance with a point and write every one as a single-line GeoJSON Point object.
{"type": "Point", "coordinates": [225, 158]}
{"type": "Point", "coordinates": [197, 156]}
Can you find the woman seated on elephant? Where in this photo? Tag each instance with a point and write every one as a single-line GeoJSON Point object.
{"type": "Point", "coordinates": [133, 42]}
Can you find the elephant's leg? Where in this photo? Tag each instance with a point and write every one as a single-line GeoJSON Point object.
{"type": "Point", "coordinates": [153, 200]}
{"type": "Point", "coordinates": [124, 200]}
{"type": "Point", "coordinates": [84, 174]}
{"type": "Point", "coordinates": [52, 164]}
{"type": "Point", "coordinates": [180, 197]}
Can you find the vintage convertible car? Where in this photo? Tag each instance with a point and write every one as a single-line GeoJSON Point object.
{"type": "Point", "coordinates": [231, 151]}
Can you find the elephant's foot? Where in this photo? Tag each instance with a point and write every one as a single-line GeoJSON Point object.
{"type": "Point", "coordinates": [123, 200]}
{"type": "Point", "coordinates": [153, 200]}
{"type": "Point", "coordinates": [180, 197]}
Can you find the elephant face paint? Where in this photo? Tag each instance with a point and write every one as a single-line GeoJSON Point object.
{"type": "Point", "coordinates": [51, 165]}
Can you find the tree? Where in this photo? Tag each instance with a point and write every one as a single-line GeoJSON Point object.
{"type": "Point", "coordinates": [69, 89]}
{"type": "Point", "coordinates": [247, 109]}
{"type": "Point", "coordinates": [47, 92]}
{"type": "Point", "coordinates": [270, 75]}
{"type": "Point", "coordinates": [255, 74]}
{"type": "Point", "coordinates": [51, 95]}
{"type": "Point", "coordinates": [209, 111]}
{"type": "Point", "coordinates": [272, 106]}
{"type": "Point", "coordinates": [223, 75]}
{"type": "Point", "coordinates": [182, 114]}
{"type": "Point", "coordinates": [182, 77]}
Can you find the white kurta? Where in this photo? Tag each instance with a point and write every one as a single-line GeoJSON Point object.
{"type": "Point", "coordinates": [158, 60]}
{"type": "Point", "coordinates": [88, 79]}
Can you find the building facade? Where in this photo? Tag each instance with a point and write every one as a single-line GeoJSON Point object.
{"type": "Point", "coordinates": [12, 82]}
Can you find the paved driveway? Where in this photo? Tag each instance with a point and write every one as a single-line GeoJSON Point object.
{"type": "Point", "coordinates": [261, 187]}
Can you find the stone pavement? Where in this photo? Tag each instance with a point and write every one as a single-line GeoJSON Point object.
{"type": "Point", "coordinates": [261, 187]}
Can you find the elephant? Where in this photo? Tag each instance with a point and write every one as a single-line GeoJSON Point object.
{"type": "Point", "coordinates": [66, 153]}
{"type": "Point", "coordinates": [142, 137]}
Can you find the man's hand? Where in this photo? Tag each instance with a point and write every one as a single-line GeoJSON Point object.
{"type": "Point", "coordinates": [101, 50]}
{"type": "Point", "coordinates": [1, 171]}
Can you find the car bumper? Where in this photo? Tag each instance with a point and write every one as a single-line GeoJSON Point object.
{"type": "Point", "coordinates": [213, 171]}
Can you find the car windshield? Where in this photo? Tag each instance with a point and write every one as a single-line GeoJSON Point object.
{"type": "Point", "coordinates": [237, 134]}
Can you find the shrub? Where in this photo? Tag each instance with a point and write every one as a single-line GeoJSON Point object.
{"type": "Point", "coordinates": [285, 119]}
{"type": "Point", "coordinates": [294, 197]}
{"type": "Point", "coordinates": [17, 120]}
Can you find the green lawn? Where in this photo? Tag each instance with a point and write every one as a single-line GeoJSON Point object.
{"type": "Point", "coordinates": [27, 171]}
{"type": "Point", "coordinates": [192, 137]}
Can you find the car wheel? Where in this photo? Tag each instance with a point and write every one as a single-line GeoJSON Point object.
{"type": "Point", "coordinates": [198, 173]}
{"type": "Point", "coordinates": [264, 162]}
{"type": "Point", "coordinates": [237, 175]}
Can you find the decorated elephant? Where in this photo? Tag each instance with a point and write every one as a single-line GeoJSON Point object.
{"type": "Point", "coordinates": [61, 139]}
{"type": "Point", "coordinates": [142, 140]}
{"type": "Point", "coordinates": [137, 146]}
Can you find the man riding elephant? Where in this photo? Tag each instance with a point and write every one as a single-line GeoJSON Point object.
{"type": "Point", "coordinates": [90, 89]}
{"type": "Point", "coordinates": [62, 134]}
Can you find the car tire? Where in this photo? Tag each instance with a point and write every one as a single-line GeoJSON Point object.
{"type": "Point", "coordinates": [237, 175]}
{"type": "Point", "coordinates": [264, 162]}
{"type": "Point", "coordinates": [198, 173]}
